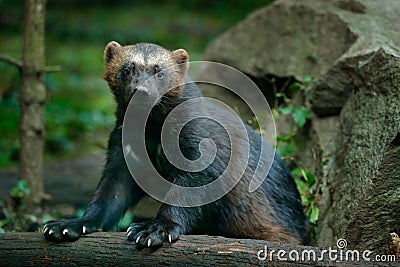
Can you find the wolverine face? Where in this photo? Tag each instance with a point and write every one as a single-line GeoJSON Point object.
{"type": "Point", "coordinates": [147, 80]}
{"type": "Point", "coordinates": [147, 71]}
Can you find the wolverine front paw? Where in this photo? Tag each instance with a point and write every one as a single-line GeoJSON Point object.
{"type": "Point", "coordinates": [153, 233]}
{"type": "Point", "coordinates": [66, 230]}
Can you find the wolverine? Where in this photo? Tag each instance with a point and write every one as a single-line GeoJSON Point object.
{"type": "Point", "coordinates": [272, 212]}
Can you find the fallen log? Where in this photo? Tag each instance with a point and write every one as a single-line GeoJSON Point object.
{"type": "Point", "coordinates": [113, 249]}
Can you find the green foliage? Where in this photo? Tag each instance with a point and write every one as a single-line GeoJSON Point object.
{"type": "Point", "coordinates": [287, 146]}
{"type": "Point", "coordinates": [79, 213]}
{"type": "Point", "coordinates": [307, 80]}
{"type": "Point", "coordinates": [300, 114]}
{"type": "Point", "coordinates": [21, 190]}
{"type": "Point", "coordinates": [305, 181]}
{"type": "Point", "coordinates": [313, 58]}
{"type": "Point", "coordinates": [14, 214]}
{"type": "Point", "coordinates": [125, 221]}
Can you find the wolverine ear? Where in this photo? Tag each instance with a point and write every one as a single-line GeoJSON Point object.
{"type": "Point", "coordinates": [182, 58]}
{"type": "Point", "coordinates": [110, 50]}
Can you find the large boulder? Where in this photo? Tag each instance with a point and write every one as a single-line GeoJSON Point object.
{"type": "Point", "coordinates": [351, 49]}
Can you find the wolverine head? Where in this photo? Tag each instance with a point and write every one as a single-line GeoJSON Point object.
{"type": "Point", "coordinates": [145, 70]}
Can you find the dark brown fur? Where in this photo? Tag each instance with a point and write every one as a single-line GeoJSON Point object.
{"type": "Point", "coordinates": [273, 212]}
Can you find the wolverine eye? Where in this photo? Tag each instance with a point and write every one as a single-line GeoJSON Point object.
{"type": "Point", "coordinates": [159, 75]}
{"type": "Point", "coordinates": [157, 70]}
{"type": "Point", "coordinates": [128, 69]}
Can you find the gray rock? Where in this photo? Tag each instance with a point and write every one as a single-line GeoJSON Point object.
{"type": "Point", "coordinates": [351, 48]}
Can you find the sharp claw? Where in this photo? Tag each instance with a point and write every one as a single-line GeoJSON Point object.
{"type": "Point", "coordinates": [65, 231]}
{"type": "Point", "coordinates": [129, 233]}
{"type": "Point", "coordinates": [137, 239]}
{"type": "Point", "coordinates": [84, 229]}
{"type": "Point", "coordinates": [45, 229]}
{"type": "Point", "coordinates": [169, 238]}
{"type": "Point", "coordinates": [149, 242]}
{"type": "Point", "coordinates": [130, 228]}
{"type": "Point", "coordinates": [51, 232]}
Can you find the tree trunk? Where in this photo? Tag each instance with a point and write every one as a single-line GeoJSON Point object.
{"type": "Point", "coordinates": [32, 102]}
{"type": "Point", "coordinates": [113, 249]}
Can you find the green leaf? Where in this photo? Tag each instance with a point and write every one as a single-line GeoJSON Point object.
{"type": "Point", "coordinates": [308, 177]}
{"type": "Point", "coordinates": [297, 172]}
{"type": "Point", "coordinates": [285, 138]}
{"type": "Point", "coordinates": [286, 150]}
{"type": "Point", "coordinates": [308, 79]}
{"type": "Point", "coordinates": [301, 186]}
{"type": "Point", "coordinates": [15, 193]}
{"type": "Point", "coordinates": [79, 213]}
{"type": "Point", "coordinates": [305, 203]}
{"type": "Point", "coordinates": [4, 222]}
{"type": "Point", "coordinates": [2, 231]}
{"type": "Point", "coordinates": [286, 110]}
{"type": "Point", "coordinates": [293, 87]}
{"type": "Point", "coordinates": [20, 190]}
{"type": "Point", "coordinates": [313, 58]}
{"type": "Point", "coordinates": [300, 116]}
{"type": "Point", "coordinates": [310, 197]}
{"type": "Point", "coordinates": [314, 214]}
{"type": "Point", "coordinates": [23, 186]}
{"type": "Point", "coordinates": [125, 221]}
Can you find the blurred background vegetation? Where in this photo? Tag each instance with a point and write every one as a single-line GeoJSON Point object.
{"type": "Point", "coordinates": [79, 112]}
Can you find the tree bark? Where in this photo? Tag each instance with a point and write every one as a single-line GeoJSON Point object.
{"type": "Point", "coordinates": [32, 102]}
{"type": "Point", "coordinates": [113, 249]}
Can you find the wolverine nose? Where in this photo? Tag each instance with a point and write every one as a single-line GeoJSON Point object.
{"type": "Point", "coordinates": [142, 90]}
